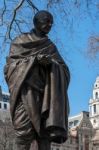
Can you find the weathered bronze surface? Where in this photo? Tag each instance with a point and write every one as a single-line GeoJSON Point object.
{"type": "Point", "coordinates": [38, 80]}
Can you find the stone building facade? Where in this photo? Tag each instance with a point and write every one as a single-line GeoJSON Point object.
{"type": "Point", "coordinates": [94, 114]}
{"type": "Point", "coordinates": [94, 105]}
{"type": "Point", "coordinates": [80, 133]}
{"type": "Point", "coordinates": [4, 105]}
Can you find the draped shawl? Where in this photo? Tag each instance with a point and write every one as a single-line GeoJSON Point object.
{"type": "Point", "coordinates": [26, 51]}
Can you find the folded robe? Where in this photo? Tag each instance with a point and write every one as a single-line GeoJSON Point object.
{"type": "Point", "coordinates": [24, 65]}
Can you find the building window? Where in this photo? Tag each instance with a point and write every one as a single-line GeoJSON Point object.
{"type": "Point", "coordinates": [5, 106]}
{"type": "Point", "coordinates": [94, 109]}
{"type": "Point", "coordinates": [0, 106]}
{"type": "Point", "coordinates": [94, 121]}
{"type": "Point", "coordinates": [90, 110]}
{"type": "Point", "coordinates": [71, 124]}
{"type": "Point", "coordinates": [5, 98]}
{"type": "Point", "coordinates": [96, 95]}
{"type": "Point", "coordinates": [76, 122]}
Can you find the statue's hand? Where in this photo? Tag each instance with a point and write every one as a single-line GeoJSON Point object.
{"type": "Point", "coordinates": [54, 61]}
{"type": "Point", "coordinates": [44, 60]}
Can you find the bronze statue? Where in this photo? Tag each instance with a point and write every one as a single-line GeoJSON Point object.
{"type": "Point", "coordinates": [38, 80]}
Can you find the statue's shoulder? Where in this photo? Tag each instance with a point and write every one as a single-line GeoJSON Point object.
{"type": "Point", "coordinates": [53, 44]}
{"type": "Point", "coordinates": [20, 38]}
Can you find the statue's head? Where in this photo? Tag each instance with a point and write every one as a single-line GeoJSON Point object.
{"type": "Point", "coordinates": [43, 21]}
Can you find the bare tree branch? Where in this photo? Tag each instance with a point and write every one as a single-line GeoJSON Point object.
{"type": "Point", "coordinates": [3, 12]}
{"type": "Point", "coordinates": [17, 23]}
{"type": "Point", "coordinates": [93, 46]}
{"type": "Point", "coordinates": [32, 5]}
{"type": "Point", "coordinates": [13, 18]}
{"type": "Point", "coordinates": [51, 2]}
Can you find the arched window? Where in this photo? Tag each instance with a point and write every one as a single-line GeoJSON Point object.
{"type": "Point", "coordinates": [94, 108]}
{"type": "Point", "coordinates": [96, 95]}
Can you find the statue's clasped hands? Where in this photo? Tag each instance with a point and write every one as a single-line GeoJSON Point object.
{"type": "Point", "coordinates": [44, 60]}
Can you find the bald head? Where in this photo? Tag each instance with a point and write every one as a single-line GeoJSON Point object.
{"type": "Point", "coordinates": [43, 21]}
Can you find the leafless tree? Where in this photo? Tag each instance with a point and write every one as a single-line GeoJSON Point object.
{"type": "Point", "coordinates": [11, 12]}
{"type": "Point", "coordinates": [93, 46]}
{"type": "Point", "coordinates": [6, 135]}
{"type": "Point", "coordinates": [16, 16]}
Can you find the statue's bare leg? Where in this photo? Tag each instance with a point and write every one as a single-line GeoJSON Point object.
{"type": "Point", "coordinates": [44, 144]}
{"type": "Point", "coordinates": [22, 147]}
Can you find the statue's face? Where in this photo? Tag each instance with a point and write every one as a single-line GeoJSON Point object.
{"type": "Point", "coordinates": [44, 23]}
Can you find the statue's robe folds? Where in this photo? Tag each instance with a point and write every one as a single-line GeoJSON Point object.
{"type": "Point", "coordinates": [34, 81]}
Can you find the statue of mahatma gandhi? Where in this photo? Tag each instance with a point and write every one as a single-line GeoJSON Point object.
{"type": "Point", "coordinates": [38, 80]}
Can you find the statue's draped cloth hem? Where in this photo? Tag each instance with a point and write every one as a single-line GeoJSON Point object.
{"type": "Point", "coordinates": [25, 54]}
